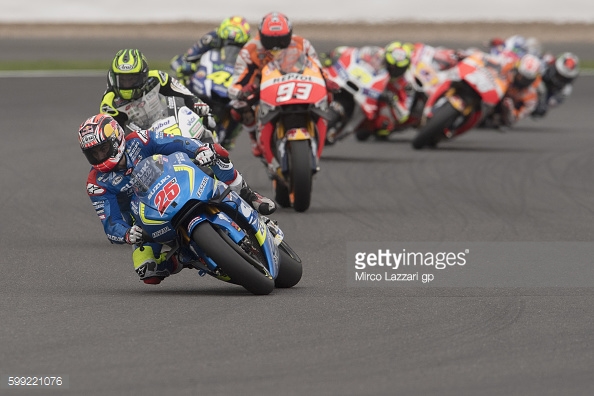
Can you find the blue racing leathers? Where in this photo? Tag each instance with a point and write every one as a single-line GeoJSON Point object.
{"type": "Point", "coordinates": [111, 193]}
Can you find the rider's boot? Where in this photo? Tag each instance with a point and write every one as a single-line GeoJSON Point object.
{"type": "Point", "coordinates": [256, 149]}
{"type": "Point", "coordinates": [263, 205]}
{"type": "Point", "coordinates": [152, 270]}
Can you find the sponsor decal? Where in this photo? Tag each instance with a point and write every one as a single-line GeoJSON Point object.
{"type": "Point", "coordinates": [193, 222]}
{"type": "Point", "coordinates": [117, 180]}
{"type": "Point", "coordinates": [160, 232]}
{"type": "Point", "coordinates": [141, 271]}
{"type": "Point", "coordinates": [292, 76]}
{"type": "Point", "coordinates": [261, 227]}
{"type": "Point", "coordinates": [134, 151]}
{"type": "Point", "coordinates": [93, 189]}
{"type": "Point", "coordinates": [143, 136]}
{"type": "Point", "coordinates": [224, 165]}
{"type": "Point", "coordinates": [177, 86]}
{"type": "Point", "coordinates": [158, 186]}
{"type": "Point", "coordinates": [246, 210]}
{"type": "Point", "coordinates": [88, 138]}
{"type": "Point", "coordinates": [202, 186]}
{"type": "Point", "coordinates": [115, 238]}
{"type": "Point", "coordinates": [161, 125]}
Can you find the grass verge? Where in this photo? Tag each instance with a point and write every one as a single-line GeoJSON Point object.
{"type": "Point", "coordinates": [68, 65]}
{"type": "Point", "coordinates": [102, 65]}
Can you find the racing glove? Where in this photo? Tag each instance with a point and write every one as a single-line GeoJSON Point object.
{"type": "Point", "coordinates": [247, 92]}
{"type": "Point", "coordinates": [332, 86]}
{"type": "Point", "coordinates": [206, 155]}
{"type": "Point", "coordinates": [201, 108]}
{"type": "Point", "coordinates": [185, 69]}
{"type": "Point", "coordinates": [133, 235]}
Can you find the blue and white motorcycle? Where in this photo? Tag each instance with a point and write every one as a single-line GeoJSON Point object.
{"type": "Point", "coordinates": [210, 83]}
{"type": "Point", "coordinates": [210, 227]}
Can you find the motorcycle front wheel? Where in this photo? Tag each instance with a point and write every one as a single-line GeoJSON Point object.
{"type": "Point", "coordinates": [225, 253]}
{"type": "Point", "coordinates": [433, 131]}
{"type": "Point", "coordinates": [300, 169]}
{"type": "Point", "coordinates": [290, 269]}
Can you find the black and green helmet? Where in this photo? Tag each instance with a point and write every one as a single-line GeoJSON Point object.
{"type": "Point", "coordinates": [128, 73]}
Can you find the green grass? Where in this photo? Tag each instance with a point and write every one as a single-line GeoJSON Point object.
{"type": "Point", "coordinates": [69, 65]}
{"type": "Point", "coordinates": [587, 64]}
{"type": "Point", "coordinates": [103, 65]}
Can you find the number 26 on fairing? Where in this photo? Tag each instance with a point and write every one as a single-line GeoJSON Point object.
{"type": "Point", "coordinates": [293, 90]}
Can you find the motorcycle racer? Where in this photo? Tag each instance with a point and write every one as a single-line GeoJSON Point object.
{"type": "Point", "coordinates": [522, 94]}
{"type": "Point", "coordinates": [395, 102]}
{"type": "Point", "coordinates": [234, 30]}
{"type": "Point", "coordinates": [557, 81]}
{"type": "Point", "coordinates": [275, 33]}
{"type": "Point", "coordinates": [113, 157]}
{"type": "Point", "coordinates": [133, 92]}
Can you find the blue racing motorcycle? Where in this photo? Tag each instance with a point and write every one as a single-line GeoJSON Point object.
{"type": "Point", "coordinates": [210, 227]}
{"type": "Point", "coordinates": [210, 83]}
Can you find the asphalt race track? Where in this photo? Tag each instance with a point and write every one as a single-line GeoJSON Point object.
{"type": "Point", "coordinates": [72, 306]}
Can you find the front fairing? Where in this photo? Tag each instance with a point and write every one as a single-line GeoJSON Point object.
{"type": "Point", "coordinates": [485, 74]}
{"type": "Point", "coordinates": [362, 75]}
{"type": "Point", "coordinates": [143, 112]}
{"type": "Point", "coordinates": [163, 184]}
{"type": "Point", "coordinates": [167, 187]}
{"type": "Point", "coordinates": [291, 78]}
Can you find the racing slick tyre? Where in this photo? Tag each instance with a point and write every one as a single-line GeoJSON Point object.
{"type": "Point", "coordinates": [433, 131]}
{"type": "Point", "coordinates": [232, 260]}
{"type": "Point", "coordinates": [290, 268]}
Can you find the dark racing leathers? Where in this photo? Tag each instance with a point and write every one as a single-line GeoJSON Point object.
{"type": "Point", "coordinates": [206, 43]}
{"type": "Point", "coordinates": [111, 193]}
{"type": "Point", "coordinates": [147, 109]}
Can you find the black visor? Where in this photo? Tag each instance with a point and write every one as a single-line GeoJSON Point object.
{"type": "Point", "coordinates": [276, 42]}
{"type": "Point", "coordinates": [130, 81]}
{"type": "Point", "coordinates": [100, 152]}
{"type": "Point", "coordinates": [522, 82]}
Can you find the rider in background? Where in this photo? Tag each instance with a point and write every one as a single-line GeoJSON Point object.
{"type": "Point", "coordinates": [132, 93]}
{"type": "Point", "coordinates": [521, 97]}
{"type": "Point", "coordinates": [234, 30]}
{"type": "Point", "coordinates": [557, 81]}
{"type": "Point", "coordinates": [514, 46]}
{"type": "Point", "coordinates": [395, 102]}
{"type": "Point", "coordinates": [274, 34]}
{"type": "Point", "coordinates": [113, 157]}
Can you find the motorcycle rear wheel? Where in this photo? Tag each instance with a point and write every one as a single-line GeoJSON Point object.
{"type": "Point", "coordinates": [433, 131]}
{"type": "Point", "coordinates": [362, 135]}
{"type": "Point", "coordinates": [281, 194]}
{"type": "Point", "coordinates": [300, 169]}
{"type": "Point", "coordinates": [231, 262]}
